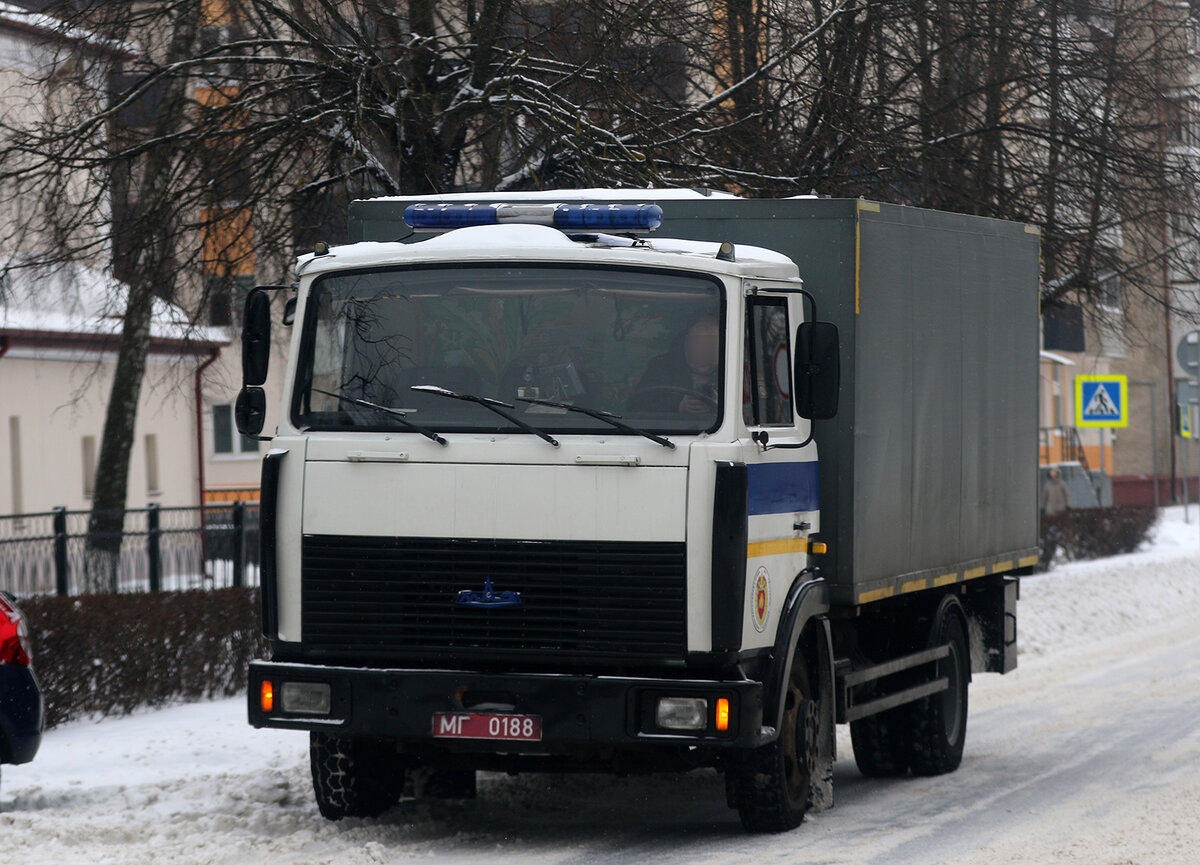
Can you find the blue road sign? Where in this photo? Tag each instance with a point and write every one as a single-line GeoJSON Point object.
{"type": "Point", "coordinates": [1101, 401]}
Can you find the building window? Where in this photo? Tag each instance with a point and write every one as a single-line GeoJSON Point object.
{"type": "Point", "coordinates": [152, 487]}
{"type": "Point", "coordinates": [1111, 311]}
{"type": "Point", "coordinates": [1181, 121]}
{"type": "Point", "coordinates": [1184, 256]}
{"type": "Point", "coordinates": [1062, 328]}
{"type": "Point", "coordinates": [89, 466]}
{"type": "Point", "coordinates": [14, 438]}
{"type": "Point", "coordinates": [227, 257]}
{"type": "Point", "coordinates": [226, 437]}
{"type": "Point", "coordinates": [226, 295]}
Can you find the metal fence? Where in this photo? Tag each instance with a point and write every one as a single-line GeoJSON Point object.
{"type": "Point", "coordinates": [161, 549]}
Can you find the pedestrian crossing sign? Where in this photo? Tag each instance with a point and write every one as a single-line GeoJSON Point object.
{"type": "Point", "coordinates": [1101, 401]}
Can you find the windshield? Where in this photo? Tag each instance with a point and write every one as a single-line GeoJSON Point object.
{"type": "Point", "coordinates": [643, 344]}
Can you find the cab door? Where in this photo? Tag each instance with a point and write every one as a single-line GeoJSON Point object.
{"type": "Point", "coordinates": [782, 488]}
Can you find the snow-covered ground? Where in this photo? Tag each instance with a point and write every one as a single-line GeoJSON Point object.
{"type": "Point", "coordinates": [1088, 753]}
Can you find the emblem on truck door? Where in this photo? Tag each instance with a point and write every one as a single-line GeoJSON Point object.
{"type": "Point", "coordinates": [762, 599]}
{"type": "Point", "coordinates": [488, 597]}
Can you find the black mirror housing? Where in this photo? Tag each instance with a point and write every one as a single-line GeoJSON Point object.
{"type": "Point", "coordinates": [818, 370]}
{"type": "Point", "coordinates": [256, 338]}
{"type": "Point", "coordinates": [250, 411]}
{"type": "Point", "coordinates": [289, 312]}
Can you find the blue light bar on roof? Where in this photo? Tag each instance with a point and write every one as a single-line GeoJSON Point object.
{"type": "Point", "coordinates": [608, 217]}
{"type": "Point", "coordinates": [443, 217]}
{"type": "Point", "coordinates": [567, 217]}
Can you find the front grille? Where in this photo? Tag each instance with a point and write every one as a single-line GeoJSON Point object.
{"type": "Point", "coordinates": [370, 600]}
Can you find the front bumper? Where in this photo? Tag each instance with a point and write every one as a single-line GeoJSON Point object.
{"type": "Point", "coordinates": [22, 715]}
{"type": "Point", "coordinates": [578, 712]}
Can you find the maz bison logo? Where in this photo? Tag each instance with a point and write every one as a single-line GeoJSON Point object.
{"type": "Point", "coordinates": [762, 599]}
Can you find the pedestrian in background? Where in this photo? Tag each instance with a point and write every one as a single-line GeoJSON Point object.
{"type": "Point", "coordinates": [1056, 501]}
{"type": "Point", "coordinates": [1056, 495]}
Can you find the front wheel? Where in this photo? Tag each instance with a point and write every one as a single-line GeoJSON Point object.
{"type": "Point", "coordinates": [354, 776]}
{"type": "Point", "coordinates": [772, 786]}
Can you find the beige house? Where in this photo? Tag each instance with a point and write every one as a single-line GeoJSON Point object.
{"type": "Point", "coordinates": [1134, 333]}
{"type": "Point", "coordinates": [58, 335]}
{"type": "Point", "coordinates": [57, 351]}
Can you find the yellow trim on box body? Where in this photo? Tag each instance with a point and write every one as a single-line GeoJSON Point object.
{"type": "Point", "coordinates": [1027, 562]}
{"type": "Point", "coordinates": [972, 573]}
{"type": "Point", "coordinates": [945, 580]}
{"type": "Point", "coordinates": [870, 207]}
{"type": "Point", "coordinates": [757, 549]}
{"type": "Point", "coordinates": [877, 595]}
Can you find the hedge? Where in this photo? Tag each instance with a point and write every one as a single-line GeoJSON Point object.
{"type": "Point", "coordinates": [1094, 533]}
{"type": "Point", "coordinates": [111, 654]}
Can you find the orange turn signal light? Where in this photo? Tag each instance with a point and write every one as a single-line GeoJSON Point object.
{"type": "Point", "coordinates": [818, 548]}
{"type": "Point", "coordinates": [722, 714]}
{"type": "Point", "coordinates": [266, 697]}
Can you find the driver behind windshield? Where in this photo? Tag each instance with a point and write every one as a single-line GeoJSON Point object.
{"type": "Point", "coordinates": [684, 379]}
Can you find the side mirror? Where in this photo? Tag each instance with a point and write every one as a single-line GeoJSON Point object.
{"type": "Point", "coordinates": [256, 338]}
{"type": "Point", "coordinates": [289, 312]}
{"type": "Point", "coordinates": [818, 371]}
{"type": "Point", "coordinates": [250, 410]}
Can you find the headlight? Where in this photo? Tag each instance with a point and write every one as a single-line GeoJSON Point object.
{"type": "Point", "coordinates": [682, 713]}
{"type": "Point", "coordinates": [306, 698]}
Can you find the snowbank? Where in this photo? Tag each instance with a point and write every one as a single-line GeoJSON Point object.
{"type": "Point", "coordinates": [1081, 601]}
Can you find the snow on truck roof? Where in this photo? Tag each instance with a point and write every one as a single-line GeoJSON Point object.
{"type": "Point", "coordinates": [671, 194]}
{"type": "Point", "coordinates": [517, 242]}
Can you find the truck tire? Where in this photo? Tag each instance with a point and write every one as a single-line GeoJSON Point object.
{"type": "Point", "coordinates": [354, 776]}
{"type": "Point", "coordinates": [939, 722]}
{"type": "Point", "coordinates": [772, 785]}
{"type": "Point", "coordinates": [881, 746]}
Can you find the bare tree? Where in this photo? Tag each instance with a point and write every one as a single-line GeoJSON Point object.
{"type": "Point", "coordinates": [209, 134]}
{"type": "Point", "coordinates": [214, 121]}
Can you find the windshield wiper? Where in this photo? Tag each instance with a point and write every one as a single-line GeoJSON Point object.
{"type": "Point", "coordinates": [394, 412]}
{"type": "Point", "coordinates": [492, 404]}
{"type": "Point", "coordinates": [606, 416]}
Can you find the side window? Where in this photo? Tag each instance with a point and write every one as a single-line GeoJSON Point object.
{"type": "Point", "coordinates": [767, 367]}
{"type": "Point", "coordinates": [226, 439]}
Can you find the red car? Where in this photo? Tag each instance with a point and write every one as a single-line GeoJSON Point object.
{"type": "Point", "coordinates": [21, 710]}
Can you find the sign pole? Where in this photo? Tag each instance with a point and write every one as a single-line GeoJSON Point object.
{"type": "Point", "coordinates": [1153, 436]}
{"type": "Point", "coordinates": [1186, 482]}
{"type": "Point", "coordinates": [1192, 423]}
{"type": "Point", "coordinates": [1102, 402]}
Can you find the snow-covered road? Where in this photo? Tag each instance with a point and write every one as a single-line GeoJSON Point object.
{"type": "Point", "coordinates": [1088, 753]}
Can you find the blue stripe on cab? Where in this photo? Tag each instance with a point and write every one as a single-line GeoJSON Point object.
{"type": "Point", "coordinates": [777, 488]}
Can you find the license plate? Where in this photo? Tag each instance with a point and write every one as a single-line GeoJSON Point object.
{"type": "Point", "coordinates": [472, 725]}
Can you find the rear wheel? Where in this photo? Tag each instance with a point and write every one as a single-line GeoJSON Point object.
{"type": "Point", "coordinates": [354, 776]}
{"type": "Point", "coordinates": [881, 744]}
{"type": "Point", "coordinates": [772, 785]}
{"type": "Point", "coordinates": [939, 722]}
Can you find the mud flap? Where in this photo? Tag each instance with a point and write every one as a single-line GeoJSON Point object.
{"type": "Point", "coordinates": [991, 607]}
{"type": "Point", "coordinates": [822, 776]}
